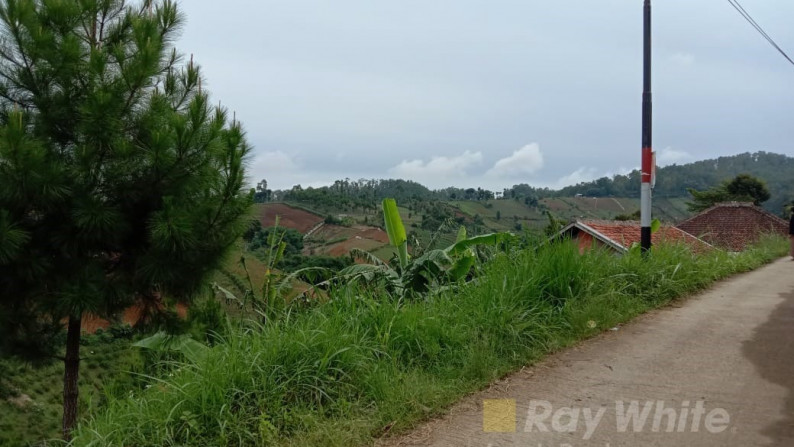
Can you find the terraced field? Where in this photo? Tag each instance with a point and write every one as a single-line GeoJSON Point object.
{"type": "Point", "coordinates": [335, 240]}
{"type": "Point", "coordinates": [496, 215]}
{"type": "Point", "coordinates": [289, 216]}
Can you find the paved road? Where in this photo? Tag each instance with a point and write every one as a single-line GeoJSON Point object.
{"type": "Point", "coordinates": [716, 370]}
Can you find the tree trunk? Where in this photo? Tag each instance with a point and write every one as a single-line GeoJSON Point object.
{"type": "Point", "coordinates": [70, 375]}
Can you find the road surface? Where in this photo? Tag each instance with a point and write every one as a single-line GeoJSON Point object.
{"type": "Point", "coordinates": [714, 370]}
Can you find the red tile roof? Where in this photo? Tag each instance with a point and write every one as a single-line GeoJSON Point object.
{"type": "Point", "coordinates": [620, 235]}
{"type": "Point", "coordinates": [734, 225]}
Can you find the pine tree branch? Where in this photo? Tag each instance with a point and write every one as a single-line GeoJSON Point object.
{"type": "Point", "coordinates": [34, 89]}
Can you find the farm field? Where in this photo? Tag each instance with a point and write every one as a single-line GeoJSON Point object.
{"type": "Point", "coordinates": [290, 216]}
{"type": "Point", "coordinates": [31, 396]}
{"type": "Point", "coordinates": [335, 240]}
{"type": "Point", "coordinates": [666, 209]}
{"type": "Point", "coordinates": [496, 215]}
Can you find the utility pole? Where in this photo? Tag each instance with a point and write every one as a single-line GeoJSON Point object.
{"type": "Point", "coordinates": [647, 146]}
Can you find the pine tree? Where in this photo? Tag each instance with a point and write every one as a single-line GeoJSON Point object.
{"type": "Point", "coordinates": [119, 182]}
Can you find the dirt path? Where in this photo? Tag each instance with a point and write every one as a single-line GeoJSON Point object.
{"type": "Point", "coordinates": [716, 371]}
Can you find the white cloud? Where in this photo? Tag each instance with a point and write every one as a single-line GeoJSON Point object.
{"type": "Point", "coordinates": [440, 171]}
{"type": "Point", "coordinates": [668, 156]}
{"type": "Point", "coordinates": [588, 174]}
{"type": "Point", "coordinates": [522, 162]}
{"type": "Point", "coordinates": [580, 175]}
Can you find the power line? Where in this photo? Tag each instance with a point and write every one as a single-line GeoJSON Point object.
{"type": "Point", "coordinates": [738, 7]}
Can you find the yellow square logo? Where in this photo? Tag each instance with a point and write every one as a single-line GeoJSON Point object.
{"type": "Point", "coordinates": [499, 415]}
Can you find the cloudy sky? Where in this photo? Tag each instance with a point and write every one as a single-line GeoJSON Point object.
{"type": "Point", "coordinates": [490, 93]}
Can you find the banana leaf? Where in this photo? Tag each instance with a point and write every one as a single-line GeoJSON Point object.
{"type": "Point", "coordinates": [360, 254]}
{"type": "Point", "coordinates": [395, 230]}
{"type": "Point", "coordinates": [462, 266]}
{"type": "Point", "coordinates": [655, 225]}
{"type": "Point", "coordinates": [461, 246]}
{"type": "Point", "coordinates": [162, 342]}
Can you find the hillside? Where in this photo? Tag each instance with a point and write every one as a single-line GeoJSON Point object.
{"type": "Point", "coordinates": [346, 215]}
{"type": "Point", "coordinates": [289, 216]}
{"type": "Point", "coordinates": [360, 198]}
{"type": "Point", "coordinates": [362, 228]}
{"type": "Point", "coordinates": [673, 181]}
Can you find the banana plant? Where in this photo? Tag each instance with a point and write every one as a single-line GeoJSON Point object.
{"type": "Point", "coordinates": [431, 271]}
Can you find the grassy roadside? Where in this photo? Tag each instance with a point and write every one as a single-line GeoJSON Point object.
{"type": "Point", "coordinates": [343, 372]}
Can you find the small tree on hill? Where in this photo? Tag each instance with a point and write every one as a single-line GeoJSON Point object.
{"type": "Point", "coordinates": [742, 188]}
{"type": "Point", "coordinates": [118, 181]}
{"type": "Point", "coordinates": [554, 226]}
{"type": "Point", "coordinates": [262, 194]}
{"type": "Point", "coordinates": [747, 187]}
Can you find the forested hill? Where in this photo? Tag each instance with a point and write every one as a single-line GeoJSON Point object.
{"type": "Point", "coordinates": [674, 180]}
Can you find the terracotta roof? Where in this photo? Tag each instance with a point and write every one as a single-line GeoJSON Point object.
{"type": "Point", "coordinates": [620, 235]}
{"type": "Point", "coordinates": [734, 225]}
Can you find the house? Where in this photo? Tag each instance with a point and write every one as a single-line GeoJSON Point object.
{"type": "Point", "coordinates": [620, 235]}
{"type": "Point", "coordinates": [734, 225]}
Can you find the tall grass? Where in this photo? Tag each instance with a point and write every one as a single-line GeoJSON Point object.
{"type": "Point", "coordinates": [360, 365]}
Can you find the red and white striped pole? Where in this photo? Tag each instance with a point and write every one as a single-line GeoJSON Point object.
{"type": "Point", "coordinates": [647, 146]}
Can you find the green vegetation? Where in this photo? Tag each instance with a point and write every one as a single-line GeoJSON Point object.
{"type": "Point", "coordinates": [742, 188]}
{"type": "Point", "coordinates": [119, 182]}
{"type": "Point", "coordinates": [554, 226]}
{"type": "Point", "coordinates": [292, 239]}
{"type": "Point", "coordinates": [636, 215]}
{"type": "Point", "coordinates": [258, 244]}
{"type": "Point", "coordinates": [332, 263]}
{"type": "Point", "coordinates": [121, 185]}
{"type": "Point", "coordinates": [344, 370]}
{"type": "Point", "coordinates": [523, 207]}
{"type": "Point", "coordinates": [31, 395]}
{"type": "Point", "coordinates": [354, 195]}
{"type": "Point", "coordinates": [674, 181]}
{"type": "Point", "coordinates": [414, 277]}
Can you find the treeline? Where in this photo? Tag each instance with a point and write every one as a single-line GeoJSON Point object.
{"type": "Point", "coordinates": [367, 193]}
{"type": "Point", "coordinates": [363, 193]}
{"type": "Point", "coordinates": [672, 181]}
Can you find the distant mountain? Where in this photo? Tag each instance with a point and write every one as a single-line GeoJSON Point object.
{"type": "Point", "coordinates": [674, 180]}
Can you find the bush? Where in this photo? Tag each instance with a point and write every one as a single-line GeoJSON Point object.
{"type": "Point", "coordinates": [121, 331]}
{"type": "Point", "coordinates": [332, 220]}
